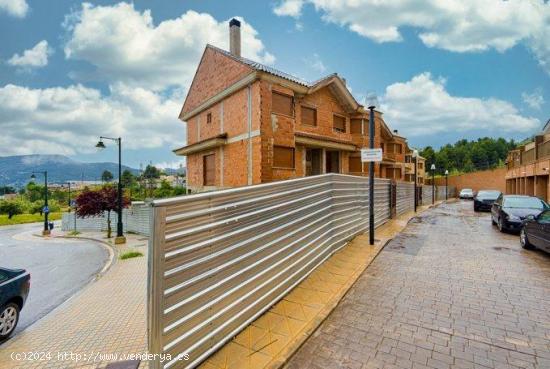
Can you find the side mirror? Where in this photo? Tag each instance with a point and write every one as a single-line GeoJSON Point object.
{"type": "Point", "coordinates": [530, 218]}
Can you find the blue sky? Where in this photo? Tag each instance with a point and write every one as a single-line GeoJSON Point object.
{"type": "Point", "coordinates": [70, 72]}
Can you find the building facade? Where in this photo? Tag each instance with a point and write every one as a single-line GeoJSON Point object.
{"type": "Point", "coordinates": [528, 168]}
{"type": "Point", "coordinates": [248, 123]}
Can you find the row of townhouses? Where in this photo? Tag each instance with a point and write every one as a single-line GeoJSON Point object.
{"type": "Point", "coordinates": [248, 123]}
{"type": "Point", "coordinates": [529, 167]}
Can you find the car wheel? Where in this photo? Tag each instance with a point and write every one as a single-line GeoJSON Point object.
{"type": "Point", "coordinates": [500, 225]}
{"type": "Point", "coordinates": [524, 241]}
{"type": "Point", "coordinates": [9, 316]}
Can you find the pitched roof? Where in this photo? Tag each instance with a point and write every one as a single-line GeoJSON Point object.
{"type": "Point", "coordinates": [261, 67]}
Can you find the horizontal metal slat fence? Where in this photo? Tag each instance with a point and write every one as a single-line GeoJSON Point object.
{"type": "Point", "coordinates": [218, 260]}
{"type": "Point", "coordinates": [426, 194]}
{"type": "Point", "coordinates": [405, 197]}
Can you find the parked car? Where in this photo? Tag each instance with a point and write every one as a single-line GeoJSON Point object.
{"type": "Point", "coordinates": [466, 193]}
{"type": "Point", "coordinates": [484, 199]}
{"type": "Point", "coordinates": [509, 211]}
{"type": "Point", "coordinates": [14, 289]}
{"type": "Point", "coordinates": [536, 232]}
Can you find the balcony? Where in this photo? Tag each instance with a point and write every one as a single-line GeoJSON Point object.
{"type": "Point", "coordinates": [528, 156]}
{"type": "Point", "coordinates": [544, 150]}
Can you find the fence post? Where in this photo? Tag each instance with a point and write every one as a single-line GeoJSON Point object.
{"type": "Point", "coordinates": [155, 283]}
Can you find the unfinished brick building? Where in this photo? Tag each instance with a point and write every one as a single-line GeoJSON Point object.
{"type": "Point", "coordinates": [248, 123]}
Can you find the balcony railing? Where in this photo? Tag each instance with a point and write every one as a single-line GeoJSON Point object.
{"type": "Point", "coordinates": [544, 150]}
{"type": "Point", "coordinates": [528, 156]}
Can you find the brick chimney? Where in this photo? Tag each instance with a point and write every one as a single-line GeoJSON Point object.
{"type": "Point", "coordinates": [235, 37]}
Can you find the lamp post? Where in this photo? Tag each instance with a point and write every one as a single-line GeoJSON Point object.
{"type": "Point", "coordinates": [45, 210]}
{"type": "Point", "coordinates": [415, 158]}
{"type": "Point", "coordinates": [371, 103]}
{"type": "Point", "coordinates": [433, 183]}
{"type": "Point", "coordinates": [446, 184]}
{"type": "Point", "coordinates": [119, 227]}
{"type": "Point", "coordinates": [69, 201]}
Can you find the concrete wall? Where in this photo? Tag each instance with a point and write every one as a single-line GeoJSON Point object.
{"type": "Point", "coordinates": [482, 180]}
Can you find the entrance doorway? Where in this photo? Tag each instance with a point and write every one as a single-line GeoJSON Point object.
{"type": "Point", "coordinates": [333, 161]}
{"type": "Point", "coordinates": [313, 162]}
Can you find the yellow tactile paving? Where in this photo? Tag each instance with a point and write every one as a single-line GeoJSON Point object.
{"type": "Point", "coordinates": [272, 338]}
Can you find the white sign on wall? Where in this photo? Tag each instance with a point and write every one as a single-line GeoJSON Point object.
{"type": "Point", "coordinates": [368, 155]}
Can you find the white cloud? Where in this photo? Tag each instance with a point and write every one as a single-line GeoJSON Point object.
{"type": "Point", "coordinates": [37, 57]}
{"type": "Point", "coordinates": [292, 8]}
{"type": "Point", "coordinates": [454, 25]}
{"type": "Point", "coordinates": [125, 45]}
{"type": "Point", "coordinates": [535, 99]}
{"type": "Point", "coordinates": [67, 120]}
{"type": "Point", "coordinates": [423, 107]}
{"type": "Point", "coordinates": [15, 8]}
{"type": "Point", "coordinates": [314, 62]}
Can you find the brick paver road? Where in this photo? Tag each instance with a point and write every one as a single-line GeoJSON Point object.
{"type": "Point", "coordinates": [449, 292]}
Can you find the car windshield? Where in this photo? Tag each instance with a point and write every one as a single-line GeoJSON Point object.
{"type": "Point", "coordinates": [523, 203]}
{"type": "Point", "coordinates": [493, 195]}
{"type": "Point", "coordinates": [467, 190]}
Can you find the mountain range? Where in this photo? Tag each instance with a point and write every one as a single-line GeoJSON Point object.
{"type": "Point", "coordinates": [16, 170]}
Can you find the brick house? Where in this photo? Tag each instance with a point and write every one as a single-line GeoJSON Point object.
{"type": "Point", "coordinates": [248, 123]}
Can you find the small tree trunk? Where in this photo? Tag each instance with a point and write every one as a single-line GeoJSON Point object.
{"type": "Point", "coordinates": [10, 215]}
{"type": "Point", "coordinates": [109, 224]}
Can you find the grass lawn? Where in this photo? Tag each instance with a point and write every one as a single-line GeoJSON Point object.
{"type": "Point", "coordinates": [27, 218]}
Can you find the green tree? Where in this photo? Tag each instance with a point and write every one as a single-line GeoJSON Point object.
{"type": "Point", "coordinates": [106, 176]}
{"type": "Point", "coordinates": [10, 207]}
{"type": "Point", "coordinates": [128, 180]}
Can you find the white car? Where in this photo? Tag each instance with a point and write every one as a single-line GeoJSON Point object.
{"type": "Point", "coordinates": [466, 193]}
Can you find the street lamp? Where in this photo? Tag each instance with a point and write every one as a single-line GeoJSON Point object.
{"type": "Point", "coordinates": [433, 183]}
{"type": "Point", "coordinates": [415, 158]}
{"type": "Point", "coordinates": [372, 101]}
{"type": "Point", "coordinates": [45, 210]}
{"type": "Point", "coordinates": [446, 184]}
{"type": "Point", "coordinates": [119, 228]}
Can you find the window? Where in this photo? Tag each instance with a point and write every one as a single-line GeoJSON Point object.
{"type": "Point", "coordinates": [398, 148]}
{"type": "Point", "coordinates": [394, 173]}
{"type": "Point", "coordinates": [209, 118]}
{"type": "Point", "coordinates": [420, 165]}
{"type": "Point", "coordinates": [283, 157]}
{"type": "Point", "coordinates": [209, 170]}
{"type": "Point", "coordinates": [309, 116]}
{"type": "Point", "coordinates": [355, 126]}
{"type": "Point", "coordinates": [339, 123]}
{"type": "Point", "coordinates": [408, 159]}
{"type": "Point", "coordinates": [281, 104]}
{"type": "Point", "coordinates": [355, 164]}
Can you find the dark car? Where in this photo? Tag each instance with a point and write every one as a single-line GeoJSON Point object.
{"type": "Point", "coordinates": [536, 232]}
{"type": "Point", "coordinates": [14, 289]}
{"type": "Point", "coordinates": [509, 211]}
{"type": "Point", "coordinates": [484, 199]}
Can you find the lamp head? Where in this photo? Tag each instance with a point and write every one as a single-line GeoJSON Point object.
{"type": "Point", "coordinates": [446, 172]}
{"type": "Point", "coordinates": [371, 100]}
{"type": "Point", "coordinates": [415, 153]}
{"type": "Point", "coordinates": [100, 145]}
{"type": "Point", "coordinates": [432, 167]}
{"type": "Point", "coordinates": [33, 177]}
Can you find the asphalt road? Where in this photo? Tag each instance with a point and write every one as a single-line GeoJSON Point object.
{"type": "Point", "coordinates": [59, 267]}
{"type": "Point", "coordinates": [450, 291]}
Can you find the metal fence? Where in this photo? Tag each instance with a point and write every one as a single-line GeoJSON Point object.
{"type": "Point", "coordinates": [218, 260]}
{"type": "Point", "coordinates": [405, 197]}
{"type": "Point", "coordinates": [136, 219]}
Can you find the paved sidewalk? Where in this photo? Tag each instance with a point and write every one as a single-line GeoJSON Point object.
{"type": "Point", "coordinates": [271, 339]}
{"type": "Point", "coordinates": [107, 317]}
{"type": "Point", "coordinates": [449, 292]}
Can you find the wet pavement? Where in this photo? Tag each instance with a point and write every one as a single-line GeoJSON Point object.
{"type": "Point", "coordinates": [449, 292]}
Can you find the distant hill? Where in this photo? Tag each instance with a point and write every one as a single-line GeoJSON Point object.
{"type": "Point", "coordinates": [16, 170]}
